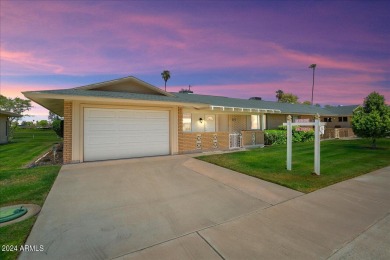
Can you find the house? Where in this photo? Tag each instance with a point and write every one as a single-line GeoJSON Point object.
{"type": "Point", "coordinates": [128, 118]}
{"type": "Point", "coordinates": [342, 116]}
{"type": "Point", "coordinates": [4, 125]}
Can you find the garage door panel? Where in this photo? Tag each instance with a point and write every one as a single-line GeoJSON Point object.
{"type": "Point", "coordinates": [120, 133]}
{"type": "Point", "coordinates": [107, 113]}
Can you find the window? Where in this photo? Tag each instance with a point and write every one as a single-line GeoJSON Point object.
{"type": "Point", "coordinates": [209, 123]}
{"type": "Point", "coordinates": [327, 119]}
{"type": "Point", "coordinates": [343, 119]}
{"type": "Point", "coordinates": [187, 122]}
{"type": "Point", "coordinates": [255, 122]}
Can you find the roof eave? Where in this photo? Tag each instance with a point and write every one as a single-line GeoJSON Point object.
{"type": "Point", "coordinates": [43, 98]}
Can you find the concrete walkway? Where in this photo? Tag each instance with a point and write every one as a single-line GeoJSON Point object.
{"type": "Point", "coordinates": [348, 220]}
{"type": "Point", "coordinates": [177, 207]}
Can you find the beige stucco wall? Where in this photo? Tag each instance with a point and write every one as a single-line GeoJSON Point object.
{"type": "Point", "coordinates": [3, 129]}
{"type": "Point", "coordinates": [275, 120]}
{"type": "Point", "coordinates": [226, 121]}
{"type": "Point", "coordinates": [77, 125]}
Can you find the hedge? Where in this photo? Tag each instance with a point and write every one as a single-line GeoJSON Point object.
{"type": "Point", "coordinates": [280, 136]}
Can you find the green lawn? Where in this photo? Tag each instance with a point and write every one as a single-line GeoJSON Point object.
{"type": "Point", "coordinates": [340, 160]}
{"type": "Point", "coordinates": [20, 185]}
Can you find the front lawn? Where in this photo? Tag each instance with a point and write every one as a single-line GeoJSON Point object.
{"type": "Point", "coordinates": [19, 185]}
{"type": "Point", "coordinates": [340, 160]}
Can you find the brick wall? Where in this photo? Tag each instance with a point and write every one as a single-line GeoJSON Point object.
{"type": "Point", "coordinates": [180, 129]}
{"type": "Point", "coordinates": [67, 132]}
{"type": "Point", "coordinates": [248, 136]}
{"type": "Point", "coordinates": [201, 141]}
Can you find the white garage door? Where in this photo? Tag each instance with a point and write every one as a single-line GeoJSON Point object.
{"type": "Point", "coordinates": [122, 133]}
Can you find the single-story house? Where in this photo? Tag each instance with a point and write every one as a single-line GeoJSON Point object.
{"type": "Point", "coordinates": [128, 118]}
{"type": "Point", "coordinates": [4, 125]}
{"type": "Point", "coordinates": [341, 118]}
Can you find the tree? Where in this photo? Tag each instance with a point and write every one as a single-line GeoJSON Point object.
{"type": "Point", "coordinates": [306, 102]}
{"type": "Point", "coordinates": [279, 94]}
{"type": "Point", "coordinates": [43, 123]}
{"type": "Point", "coordinates": [372, 120]}
{"type": "Point", "coordinates": [289, 98]}
{"type": "Point", "coordinates": [166, 75]}
{"type": "Point", "coordinates": [58, 127]}
{"type": "Point", "coordinates": [15, 105]}
{"type": "Point", "coordinates": [53, 116]}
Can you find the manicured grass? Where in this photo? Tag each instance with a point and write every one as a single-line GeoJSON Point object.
{"type": "Point", "coordinates": [27, 145]}
{"type": "Point", "coordinates": [340, 160]}
{"type": "Point", "coordinates": [19, 185]}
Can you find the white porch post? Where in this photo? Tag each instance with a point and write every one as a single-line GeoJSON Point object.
{"type": "Point", "coordinates": [317, 145]}
{"type": "Point", "coordinates": [263, 121]}
{"type": "Point", "coordinates": [289, 142]}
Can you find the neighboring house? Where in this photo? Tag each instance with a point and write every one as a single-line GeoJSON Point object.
{"type": "Point", "coordinates": [128, 117]}
{"type": "Point", "coordinates": [342, 116]}
{"type": "Point", "coordinates": [4, 125]}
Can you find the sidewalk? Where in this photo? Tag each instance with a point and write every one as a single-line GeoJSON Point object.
{"type": "Point", "coordinates": [348, 220]}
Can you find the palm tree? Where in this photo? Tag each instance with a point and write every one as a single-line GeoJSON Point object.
{"type": "Point", "coordinates": [279, 94]}
{"type": "Point", "coordinates": [166, 75]}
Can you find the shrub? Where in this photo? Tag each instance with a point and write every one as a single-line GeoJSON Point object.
{"type": "Point", "coordinates": [303, 136]}
{"type": "Point", "coordinates": [275, 137]}
{"type": "Point", "coordinates": [280, 136]}
{"type": "Point", "coordinates": [58, 127]}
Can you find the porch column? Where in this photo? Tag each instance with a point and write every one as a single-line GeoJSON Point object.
{"type": "Point", "coordinates": [263, 120]}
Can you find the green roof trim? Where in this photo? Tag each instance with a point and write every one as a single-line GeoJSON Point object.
{"type": "Point", "coordinates": [285, 108]}
{"type": "Point", "coordinates": [207, 100]}
{"type": "Point", "coordinates": [108, 94]}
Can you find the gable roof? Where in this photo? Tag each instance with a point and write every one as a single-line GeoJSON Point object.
{"type": "Point", "coordinates": [128, 84]}
{"type": "Point", "coordinates": [131, 89]}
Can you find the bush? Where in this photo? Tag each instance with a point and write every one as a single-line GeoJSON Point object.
{"type": "Point", "coordinates": [303, 136]}
{"type": "Point", "coordinates": [58, 127]}
{"type": "Point", "coordinates": [280, 136]}
{"type": "Point", "coordinates": [275, 137]}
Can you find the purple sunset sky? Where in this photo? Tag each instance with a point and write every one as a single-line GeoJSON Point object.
{"type": "Point", "coordinates": [229, 48]}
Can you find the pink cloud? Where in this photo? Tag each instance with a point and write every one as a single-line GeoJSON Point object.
{"type": "Point", "coordinates": [76, 38]}
{"type": "Point", "coordinates": [148, 42]}
{"type": "Point", "coordinates": [28, 61]}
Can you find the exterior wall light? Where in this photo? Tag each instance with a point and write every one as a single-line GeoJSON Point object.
{"type": "Point", "coordinates": [201, 120]}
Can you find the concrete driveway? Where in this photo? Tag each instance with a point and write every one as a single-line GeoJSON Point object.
{"type": "Point", "coordinates": [110, 209]}
{"type": "Point", "coordinates": [177, 207]}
